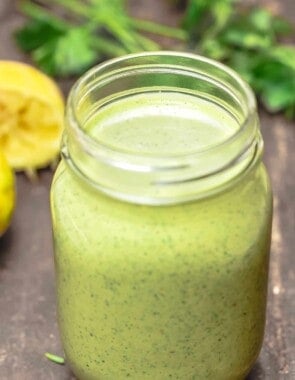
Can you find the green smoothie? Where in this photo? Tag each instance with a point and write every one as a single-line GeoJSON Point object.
{"type": "Point", "coordinates": [161, 292]}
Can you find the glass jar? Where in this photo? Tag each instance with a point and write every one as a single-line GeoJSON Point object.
{"type": "Point", "coordinates": [161, 213]}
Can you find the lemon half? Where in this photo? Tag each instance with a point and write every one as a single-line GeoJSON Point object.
{"type": "Point", "coordinates": [7, 194]}
{"type": "Point", "coordinates": [31, 116]}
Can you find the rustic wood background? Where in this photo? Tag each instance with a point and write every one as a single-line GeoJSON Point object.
{"type": "Point", "coordinates": [27, 300]}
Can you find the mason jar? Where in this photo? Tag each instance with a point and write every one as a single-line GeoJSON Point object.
{"type": "Point", "coordinates": [161, 211]}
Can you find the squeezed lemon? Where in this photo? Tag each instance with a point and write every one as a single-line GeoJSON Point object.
{"type": "Point", "coordinates": [31, 116]}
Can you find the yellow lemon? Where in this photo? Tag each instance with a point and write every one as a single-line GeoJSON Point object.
{"type": "Point", "coordinates": [31, 116]}
{"type": "Point", "coordinates": [7, 194]}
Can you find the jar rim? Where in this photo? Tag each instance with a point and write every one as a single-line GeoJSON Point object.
{"type": "Point", "coordinates": [97, 146]}
{"type": "Point", "coordinates": [231, 155]}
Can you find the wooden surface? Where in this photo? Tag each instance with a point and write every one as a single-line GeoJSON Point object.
{"type": "Point", "coordinates": [27, 301]}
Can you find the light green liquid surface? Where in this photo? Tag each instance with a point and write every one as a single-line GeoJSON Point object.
{"type": "Point", "coordinates": [162, 123]}
{"type": "Point", "coordinates": [160, 293]}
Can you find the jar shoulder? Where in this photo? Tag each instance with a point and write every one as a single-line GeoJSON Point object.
{"type": "Point", "coordinates": [251, 199]}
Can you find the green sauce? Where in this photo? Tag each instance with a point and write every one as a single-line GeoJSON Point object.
{"type": "Point", "coordinates": [161, 123]}
{"type": "Point", "coordinates": [161, 292]}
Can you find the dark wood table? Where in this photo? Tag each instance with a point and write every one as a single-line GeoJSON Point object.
{"type": "Point", "coordinates": [27, 299]}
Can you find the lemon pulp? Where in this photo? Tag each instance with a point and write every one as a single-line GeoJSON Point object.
{"type": "Point", "coordinates": [31, 116]}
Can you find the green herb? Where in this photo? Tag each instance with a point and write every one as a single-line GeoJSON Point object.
{"type": "Point", "coordinates": [247, 39]}
{"type": "Point", "coordinates": [54, 358]}
{"type": "Point", "coordinates": [90, 31]}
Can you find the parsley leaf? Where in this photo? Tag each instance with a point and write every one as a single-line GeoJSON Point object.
{"type": "Point", "coordinates": [70, 55]}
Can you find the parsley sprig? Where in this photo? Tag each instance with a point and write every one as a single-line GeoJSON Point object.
{"type": "Point", "coordinates": [248, 40]}
{"type": "Point", "coordinates": [88, 31]}
{"type": "Point", "coordinates": [84, 33]}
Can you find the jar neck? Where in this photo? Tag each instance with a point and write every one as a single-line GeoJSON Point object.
{"type": "Point", "coordinates": [187, 94]}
